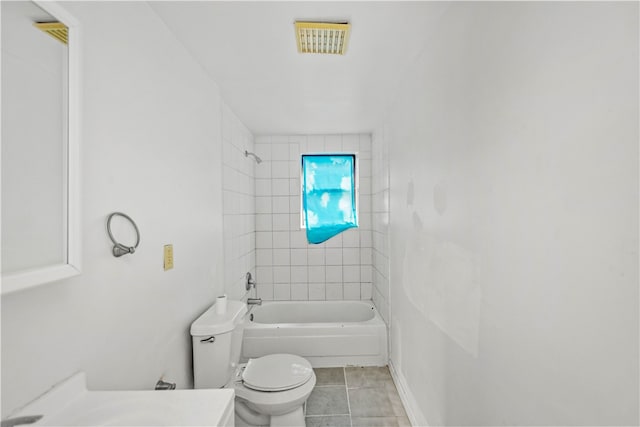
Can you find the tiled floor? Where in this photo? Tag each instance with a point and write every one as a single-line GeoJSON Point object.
{"type": "Point", "coordinates": [353, 397]}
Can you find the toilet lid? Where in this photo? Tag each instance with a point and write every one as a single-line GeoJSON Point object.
{"type": "Point", "coordinates": [276, 372]}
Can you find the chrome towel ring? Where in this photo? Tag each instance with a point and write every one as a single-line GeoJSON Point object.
{"type": "Point", "coordinates": [118, 248]}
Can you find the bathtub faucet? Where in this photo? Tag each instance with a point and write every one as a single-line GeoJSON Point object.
{"type": "Point", "coordinates": [250, 282]}
{"type": "Point", "coordinates": [254, 301]}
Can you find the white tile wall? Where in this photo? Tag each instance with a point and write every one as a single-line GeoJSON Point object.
{"type": "Point", "coordinates": [239, 206]}
{"type": "Point", "coordinates": [379, 254]}
{"type": "Point", "coordinates": [288, 267]}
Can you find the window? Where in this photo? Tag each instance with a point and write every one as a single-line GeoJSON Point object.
{"type": "Point", "coordinates": [328, 194]}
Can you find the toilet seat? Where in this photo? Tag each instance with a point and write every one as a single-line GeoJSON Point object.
{"type": "Point", "coordinates": [271, 402]}
{"type": "Point", "coordinates": [276, 372]}
{"type": "Point", "coordinates": [274, 399]}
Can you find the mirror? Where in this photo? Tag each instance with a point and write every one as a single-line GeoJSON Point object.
{"type": "Point", "coordinates": [40, 81]}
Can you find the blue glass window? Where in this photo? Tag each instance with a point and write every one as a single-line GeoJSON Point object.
{"type": "Point", "coordinates": [328, 195]}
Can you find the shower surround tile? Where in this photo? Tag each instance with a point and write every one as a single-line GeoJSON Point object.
{"type": "Point", "coordinates": [278, 205]}
{"type": "Point", "coordinates": [239, 204]}
{"type": "Point", "coordinates": [379, 185]}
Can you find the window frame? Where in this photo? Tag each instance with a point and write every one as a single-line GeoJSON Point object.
{"type": "Point", "coordinates": [356, 177]}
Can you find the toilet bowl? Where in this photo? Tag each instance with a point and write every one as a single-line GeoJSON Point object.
{"type": "Point", "coordinates": [270, 390]}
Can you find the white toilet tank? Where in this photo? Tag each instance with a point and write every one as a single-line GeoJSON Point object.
{"type": "Point", "coordinates": [217, 343]}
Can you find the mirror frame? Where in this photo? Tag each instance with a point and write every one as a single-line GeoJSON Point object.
{"type": "Point", "coordinates": [29, 278]}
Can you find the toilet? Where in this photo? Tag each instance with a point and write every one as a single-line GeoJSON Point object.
{"type": "Point", "coordinates": [270, 390]}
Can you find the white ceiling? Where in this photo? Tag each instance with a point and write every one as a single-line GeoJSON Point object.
{"type": "Point", "coordinates": [249, 49]}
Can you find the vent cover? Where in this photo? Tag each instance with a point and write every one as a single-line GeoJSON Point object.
{"type": "Point", "coordinates": [322, 37]}
{"type": "Point", "coordinates": [57, 30]}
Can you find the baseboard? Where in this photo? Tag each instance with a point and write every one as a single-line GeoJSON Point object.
{"type": "Point", "coordinates": [416, 417]}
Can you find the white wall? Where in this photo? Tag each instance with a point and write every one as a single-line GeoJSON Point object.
{"type": "Point", "coordinates": [238, 183]}
{"type": "Point", "coordinates": [514, 217]}
{"type": "Point", "coordinates": [33, 132]}
{"type": "Point", "coordinates": [288, 267]}
{"type": "Point", "coordinates": [151, 147]}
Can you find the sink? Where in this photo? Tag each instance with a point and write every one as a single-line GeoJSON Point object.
{"type": "Point", "coordinates": [71, 404]}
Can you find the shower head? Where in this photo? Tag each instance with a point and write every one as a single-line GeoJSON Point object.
{"type": "Point", "coordinates": [256, 158]}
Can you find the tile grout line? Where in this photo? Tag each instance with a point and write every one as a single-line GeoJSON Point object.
{"type": "Point", "coordinates": [327, 385]}
{"type": "Point", "coordinates": [326, 415]}
{"type": "Point", "coordinates": [346, 387]}
{"type": "Point", "coordinates": [378, 385]}
{"type": "Point", "coordinates": [323, 415]}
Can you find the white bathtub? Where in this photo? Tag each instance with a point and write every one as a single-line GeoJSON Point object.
{"type": "Point", "coordinates": [326, 333]}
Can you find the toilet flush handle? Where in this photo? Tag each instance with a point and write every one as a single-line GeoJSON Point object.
{"type": "Point", "coordinates": [209, 340]}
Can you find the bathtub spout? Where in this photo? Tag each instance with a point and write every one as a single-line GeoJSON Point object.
{"type": "Point", "coordinates": [162, 385]}
{"type": "Point", "coordinates": [254, 301]}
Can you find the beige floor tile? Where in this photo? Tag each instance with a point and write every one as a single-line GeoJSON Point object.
{"type": "Point", "coordinates": [329, 421]}
{"type": "Point", "coordinates": [369, 376]}
{"type": "Point", "coordinates": [353, 397]}
{"type": "Point", "coordinates": [328, 400]}
{"type": "Point", "coordinates": [329, 376]}
{"type": "Point", "coordinates": [394, 398]}
{"type": "Point", "coordinates": [404, 422]}
{"type": "Point", "coordinates": [370, 402]}
{"type": "Point", "coordinates": [374, 422]}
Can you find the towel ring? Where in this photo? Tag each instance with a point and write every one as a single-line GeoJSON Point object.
{"type": "Point", "coordinates": [118, 248]}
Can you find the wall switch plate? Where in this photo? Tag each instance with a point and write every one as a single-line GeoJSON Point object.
{"type": "Point", "coordinates": [168, 257]}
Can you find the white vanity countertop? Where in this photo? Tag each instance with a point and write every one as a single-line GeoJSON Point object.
{"type": "Point", "coordinates": [71, 404]}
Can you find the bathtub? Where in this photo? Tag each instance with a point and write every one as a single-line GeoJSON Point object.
{"type": "Point", "coordinates": [326, 333]}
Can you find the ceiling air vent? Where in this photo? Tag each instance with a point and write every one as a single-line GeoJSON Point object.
{"type": "Point", "coordinates": [57, 30]}
{"type": "Point", "coordinates": [322, 37]}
